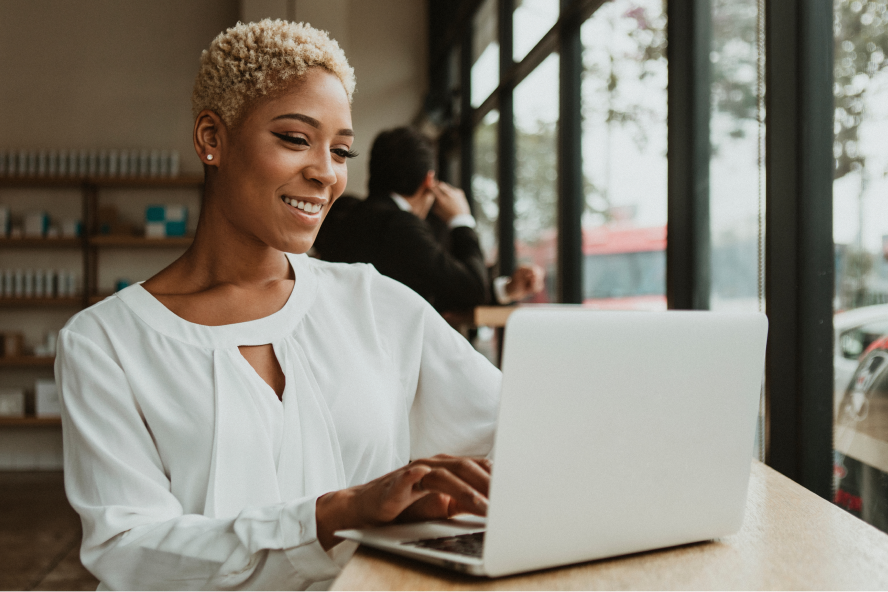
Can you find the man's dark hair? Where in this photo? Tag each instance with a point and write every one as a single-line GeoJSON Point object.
{"type": "Point", "coordinates": [399, 161]}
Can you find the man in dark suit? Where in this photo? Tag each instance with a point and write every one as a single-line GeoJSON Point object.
{"type": "Point", "coordinates": [389, 229]}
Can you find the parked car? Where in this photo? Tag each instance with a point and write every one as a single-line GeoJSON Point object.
{"type": "Point", "coordinates": [855, 330]}
{"type": "Point", "coordinates": [860, 439]}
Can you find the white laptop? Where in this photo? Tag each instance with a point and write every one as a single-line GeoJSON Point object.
{"type": "Point", "coordinates": [618, 432]}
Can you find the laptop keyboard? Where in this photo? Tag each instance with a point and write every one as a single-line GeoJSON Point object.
{"type": "Point", "coordinates": [463, 544]}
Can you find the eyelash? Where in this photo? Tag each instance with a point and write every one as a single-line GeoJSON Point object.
{"type": "Point", "coordinates": [301, 142]}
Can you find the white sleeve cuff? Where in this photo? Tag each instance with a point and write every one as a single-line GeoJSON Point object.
{"type": "Point", "coordinates": [462, 220]}
{"type": "Point", "coordinates": [499, 289]}
{"type": "Point", "coordinates": [301, 545]}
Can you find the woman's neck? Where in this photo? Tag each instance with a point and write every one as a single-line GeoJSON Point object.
{"type": "Point", "coordinates": [222, 254]}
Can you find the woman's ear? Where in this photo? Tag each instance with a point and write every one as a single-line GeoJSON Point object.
{"type": "Point", "coordinates": [209, 133]}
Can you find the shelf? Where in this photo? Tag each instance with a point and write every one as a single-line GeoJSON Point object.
{"type": "Point", "coordinates": [131, 182]}
{"type": "Point", "coordinates": [40, 243]}
{"type": "Point", "coordinates": [72, 182]}
{"type": "Point", "coordinates": [41, 302]}
{"type": "Point", "coordinates": [30, 422]}
{"type": "Point", "coordinates": [27, 361]}
{"type": "Point", "coordinates": [140, 241]}
{"type": "Point", "coordinates": [147, 182]}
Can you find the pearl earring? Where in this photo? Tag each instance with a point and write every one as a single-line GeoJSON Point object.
{"type": "Point", "coordinates": [209, 157]}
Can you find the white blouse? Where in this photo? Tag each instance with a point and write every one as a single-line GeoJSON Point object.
{"type": "Point", "coordinates": [189, 472]}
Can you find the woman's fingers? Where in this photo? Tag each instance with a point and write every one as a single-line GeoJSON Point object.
{"type": "Point", "coordinates": [474, 471]}
{"type": "Point", "coordinates": [484, 463]}
{"type": "Point", "coordinates": [438, 487]}
{"type": "Point", "coordinates": [432, 506]}
{"type": "Point", "coordinates": [466, 497]}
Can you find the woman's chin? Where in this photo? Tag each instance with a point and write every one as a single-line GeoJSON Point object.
{"type": "Point", "coordinates": [294, 244]}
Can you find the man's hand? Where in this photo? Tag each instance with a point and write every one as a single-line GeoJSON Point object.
{"type": "Point", "coordinates": [526, 281]}
{"type": "Point", "coordinates": [449, 201]}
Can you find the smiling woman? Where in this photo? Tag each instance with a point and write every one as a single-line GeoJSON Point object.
{"type": "Point", "coordinates": [225, 418]}
{"type": "Point", "coordinates": [290, 146]}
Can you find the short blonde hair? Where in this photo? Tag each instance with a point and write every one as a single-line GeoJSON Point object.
{"type": "Point", "coordinates": [253, 60]}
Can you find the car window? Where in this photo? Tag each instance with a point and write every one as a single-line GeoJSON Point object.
{"type": "Point", "coordinates": [855, 341]}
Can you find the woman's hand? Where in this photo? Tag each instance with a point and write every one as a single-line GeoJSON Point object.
{"type": "Point", "coordinates": [429, 489]}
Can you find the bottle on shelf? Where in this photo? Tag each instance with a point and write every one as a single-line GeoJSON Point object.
{"type": "Point", "coordinates": [100, 163]}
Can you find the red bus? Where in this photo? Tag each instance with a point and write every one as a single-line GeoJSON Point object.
{"type": "Point", "coordinates": [624, 268]}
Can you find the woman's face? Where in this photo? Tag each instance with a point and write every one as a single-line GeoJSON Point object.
{"type": "Point", "coordinates": [284, 164]}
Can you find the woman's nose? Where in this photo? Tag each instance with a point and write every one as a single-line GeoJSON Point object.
{"type": "Point", "coordinates": [320, 170]}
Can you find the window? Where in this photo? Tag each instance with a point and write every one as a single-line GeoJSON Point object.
{"type": "Point", "coordinates": [485, 53]}
{"type": "Point", "coordinates": [485, 189]}
{"type": "Point", "coordinates": [589, 200]}
{"type": "Point", "coordinates": [531, 20]}
{"type": "Point", "coordinates": [536, 171]}
{"type": "Point", "coordinates": [624, 156]}
{"type": "Point", "coordinates": [860, 233]}
{"type": "Point", "coordinates": [736, 169]}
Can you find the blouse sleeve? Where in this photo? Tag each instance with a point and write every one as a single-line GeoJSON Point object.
{"type": "Point", "coordinates": [457, 395]}
{"type": "Point", "coordinates": [455, 389]}
{"type": "Point", "coordinates": [135, 533]}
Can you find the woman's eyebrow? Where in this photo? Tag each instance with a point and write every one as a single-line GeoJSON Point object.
{"type": "Point", "coordinates": [312, 122]}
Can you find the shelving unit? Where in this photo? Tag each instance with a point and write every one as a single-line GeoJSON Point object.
{"type": "Point", "coordinates": [40, 243]}
{"type": "Point", "coordinates": [30, 422]}
{"type": "Point", "coordinates": [41, 302]}
{"type": "Point", "coordinates": [90, 245]}
{"type": "Point", "coordinates": [28, 362]}
{"type": "Point", "coordinates": [139, 242]}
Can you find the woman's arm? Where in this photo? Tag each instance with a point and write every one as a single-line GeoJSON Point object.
{"type": "Point", "coordinates": [457, 394]}
{"type": "Point", "coordinates": [136, 534]}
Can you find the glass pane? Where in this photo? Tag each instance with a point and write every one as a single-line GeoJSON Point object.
{"type": "Point", "coordinates": [536, 174]}
{"type": "Point", "coordinates": [485, 188]}
{"type": "Point", "coordinates": [860, 232]}
{"type": "Point", "coordinates": [624, 156]}
{"type": "Point", "coordinates": [531, 20]}
{"type": "Point", "coordinates": [485, 53]}
{"type": "Point", "coordinates": [453, 63]}
{"type": "Point", "coordinates": [736, 172]}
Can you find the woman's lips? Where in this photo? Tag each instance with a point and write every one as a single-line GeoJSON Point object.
{"type": "Point", "coordinates": [304, 206]}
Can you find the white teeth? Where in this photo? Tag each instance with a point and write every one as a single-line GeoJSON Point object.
{"type": "Point", "coordinates": [305, 206]}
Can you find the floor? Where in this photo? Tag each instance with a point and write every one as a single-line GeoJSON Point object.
{"type": "Point", "coordinates": [39, 535]}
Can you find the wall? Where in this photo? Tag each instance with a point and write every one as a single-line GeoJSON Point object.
{"type": "Point", "coordinates": [104, 73]}
{"type": "Point", "coordinates": [385, 42]}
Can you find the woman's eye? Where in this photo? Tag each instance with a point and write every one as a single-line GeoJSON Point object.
{"type": "Point", "coordinates": [343, 153]}
{"type": "Point", "coordinates": [298, 140]}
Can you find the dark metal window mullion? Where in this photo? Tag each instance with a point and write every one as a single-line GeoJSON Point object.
{"type": "Point", "coordinates": [466, 135]}
{"type": "Point", "coordinates": [689, 29]}
{"type": "Point", "coordinates": [570, 162]}
{"type": "Point", "coordinates": [506, 161]}
{"type": "Point", "coordinates": [798, 236]}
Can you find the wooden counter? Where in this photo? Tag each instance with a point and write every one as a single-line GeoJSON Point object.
{"type": "Point", "coordinates": [791, 539]}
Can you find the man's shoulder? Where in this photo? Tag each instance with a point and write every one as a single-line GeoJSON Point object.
{"type": "Point", "coordinates": [382, 213]}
